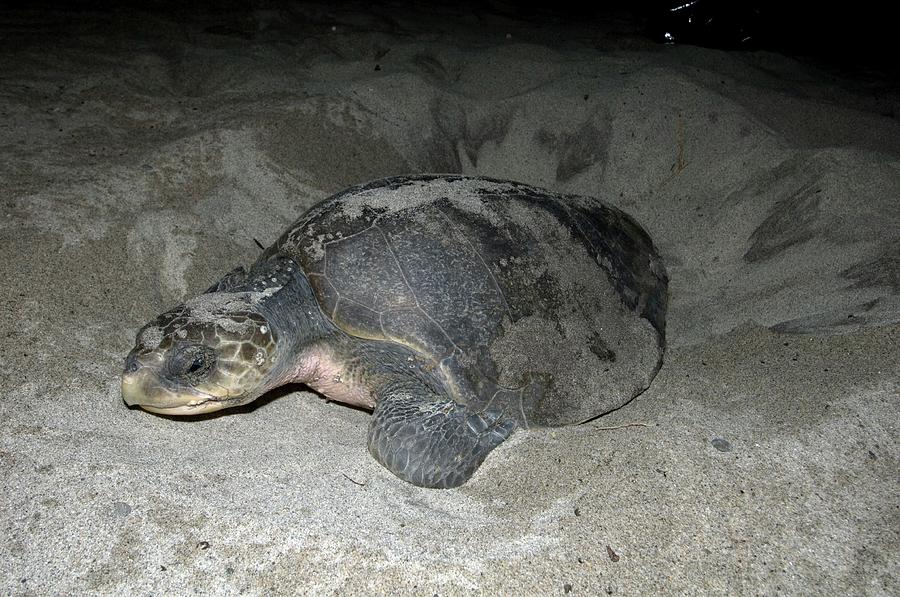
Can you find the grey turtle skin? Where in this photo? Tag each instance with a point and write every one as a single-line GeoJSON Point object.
{"type": "Point", "coordinates": [457, 308]}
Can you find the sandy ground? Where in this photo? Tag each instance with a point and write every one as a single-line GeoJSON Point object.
{"type": "Point", "coordinates": [142, 156]}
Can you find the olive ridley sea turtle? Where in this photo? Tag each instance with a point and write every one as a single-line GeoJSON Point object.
{"type": "Point", "coordinates": [456, 308]}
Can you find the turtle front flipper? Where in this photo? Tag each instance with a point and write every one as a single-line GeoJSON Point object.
{"type": "Point", "coordinates": [430, 440]}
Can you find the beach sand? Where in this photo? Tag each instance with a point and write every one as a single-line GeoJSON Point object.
{"type": "Point", "coordinates": [144, 154]}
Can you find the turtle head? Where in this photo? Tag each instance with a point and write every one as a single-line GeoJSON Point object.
{"type": "Point", "coordinates": [215, 351]}
{"type": "Point", "coordinates": [228, 346]}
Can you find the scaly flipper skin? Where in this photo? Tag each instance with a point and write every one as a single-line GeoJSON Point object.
{"type": "Point", "coordinates": [430, 440]}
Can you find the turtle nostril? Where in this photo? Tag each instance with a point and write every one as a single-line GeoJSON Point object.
{"type": "Point", "coordinates": [131, 364]}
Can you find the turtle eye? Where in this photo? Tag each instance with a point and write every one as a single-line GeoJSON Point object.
{"type": "Point", "coordinates": [195, 365]}
{"type": "Point", "coordinates": [192, 363]}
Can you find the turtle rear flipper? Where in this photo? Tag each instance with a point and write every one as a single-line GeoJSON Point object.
{"type": "Point", "coordinates": [430, 440]}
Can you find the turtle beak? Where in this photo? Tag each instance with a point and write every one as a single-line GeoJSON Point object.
{"type": "Point", "coordinates": [142, 386]}
{"type": "Point", "coordinates": [131, 393]}
{"type": "Point", "coordinates": [139, 378]}
{"type": "Point", "coordinates": [134, 381]}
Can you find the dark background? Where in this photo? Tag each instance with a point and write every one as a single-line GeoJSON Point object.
{"type": "Point", "coordinates": [850, 36]}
